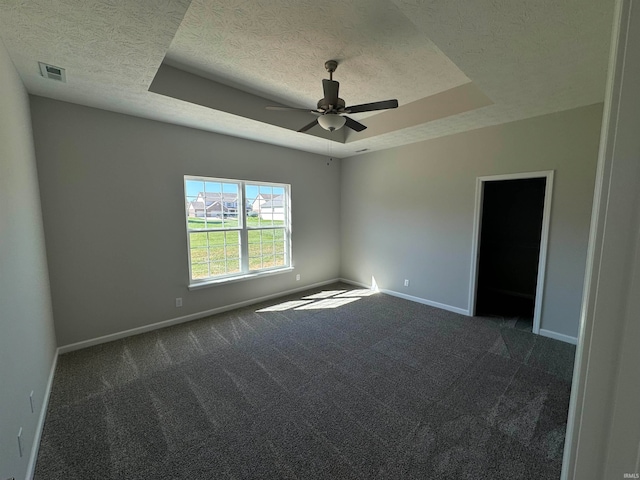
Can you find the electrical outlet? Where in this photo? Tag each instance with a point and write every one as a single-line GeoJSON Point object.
{"type": "Point", "coordinates": [406, 282]}
{"type": "Point", "coordinates": [33, 410]}
{"type": "Point", "coordinates": [297, 277]}
{"type": "Point", "coordinates": [178, 302]}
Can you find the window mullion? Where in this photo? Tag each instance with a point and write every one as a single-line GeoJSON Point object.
{"type": "Point", "coordinates": [244, 236]}
{"type": "Point", "coordinates": [274, 252]}
{"type": "Point", "coordinates": [208, 245]}
{"type": "Point", "coordinates": [224, 250]}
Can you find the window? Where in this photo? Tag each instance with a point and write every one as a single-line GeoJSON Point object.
{"type": "Point", "coordinates": [235, 228]}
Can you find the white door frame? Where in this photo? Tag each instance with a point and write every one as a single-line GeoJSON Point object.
{"type": "Point", "coordinates": [603, 428]}
{"type": "Point", "coordinates": [544, 238]}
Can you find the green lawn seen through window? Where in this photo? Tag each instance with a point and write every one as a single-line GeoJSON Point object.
{"type": "Point", "coordinates": [218, 252]}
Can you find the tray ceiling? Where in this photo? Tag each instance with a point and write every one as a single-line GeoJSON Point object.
{"type": "Point", "coordinates": [213, 65]}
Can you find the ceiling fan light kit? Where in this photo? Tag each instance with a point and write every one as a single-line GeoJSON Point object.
{"type": "Point", "coordinates": [332, 109]}
{"type": "Point", "coordinates": [331, 121]}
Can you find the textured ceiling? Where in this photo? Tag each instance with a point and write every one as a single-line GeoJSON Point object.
{"type": "Point", "coordinates": [526, 58]}
{"type": "Point", "coordinates": [278, 48]}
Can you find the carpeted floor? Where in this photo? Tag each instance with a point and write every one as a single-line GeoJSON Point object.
{"type": "Point", "coordinates": [335, 383]}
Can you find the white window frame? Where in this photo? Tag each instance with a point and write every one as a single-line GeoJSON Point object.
{"type": "Point", "coordinates": [243, 228]}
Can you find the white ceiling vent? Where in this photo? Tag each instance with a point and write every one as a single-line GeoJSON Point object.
{"type": "Point", "coordinates": [52, 72]}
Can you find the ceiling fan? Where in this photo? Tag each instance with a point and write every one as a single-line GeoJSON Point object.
{"type": "Point", "coordinates": [331, 108]}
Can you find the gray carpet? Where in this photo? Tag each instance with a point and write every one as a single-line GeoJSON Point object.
{"type": "Point", "coordinates": [312, 388]}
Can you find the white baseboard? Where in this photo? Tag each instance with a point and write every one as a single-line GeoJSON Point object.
{"type": "Point", "coordinates": [187, 318]}
{"type": "Point", "coordinates": [558, 336]}
{"type": "Point", "coordinates": [411, 298]}
{"type": "Point", "coordinates": [424, 301]}
{"type": "Point", "coordinates": [31, 467]}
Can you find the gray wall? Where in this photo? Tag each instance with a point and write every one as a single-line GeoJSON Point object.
{"type": "Point", "coordinates": [27, 341]}
{"type": "Point", "coordinates": [112, 200]}
{"type": "Point", "coordinates": [408, 212]}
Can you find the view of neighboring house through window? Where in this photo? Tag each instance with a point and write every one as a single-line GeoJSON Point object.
{"type": "Point", "coordinates": [235, 227]}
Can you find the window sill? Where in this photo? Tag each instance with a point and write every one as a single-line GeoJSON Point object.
{"type": "Point", "coordinates": [239, 278]}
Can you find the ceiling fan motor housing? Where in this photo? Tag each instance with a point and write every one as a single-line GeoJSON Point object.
{"type": "Point", "coordinates": [322, 105]}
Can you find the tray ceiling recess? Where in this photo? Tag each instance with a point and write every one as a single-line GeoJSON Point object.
{"type": "Point", "coordinates": [453, 66]}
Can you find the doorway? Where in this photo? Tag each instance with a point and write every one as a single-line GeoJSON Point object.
{"type": "Point", "coordinates": [510, 240]}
